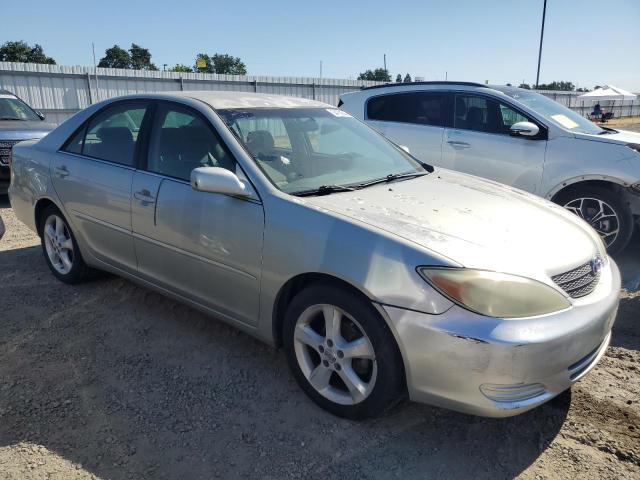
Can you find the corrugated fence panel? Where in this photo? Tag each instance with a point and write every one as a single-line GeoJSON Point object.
{"type": "Point", "coordinates": [59, 91]}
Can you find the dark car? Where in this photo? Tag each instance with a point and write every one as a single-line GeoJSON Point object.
{"type": "Point", "coordinates": [18, 121]}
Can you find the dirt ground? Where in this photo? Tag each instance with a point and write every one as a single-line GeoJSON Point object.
{"type": "Point", "coordinates": [109, 380]}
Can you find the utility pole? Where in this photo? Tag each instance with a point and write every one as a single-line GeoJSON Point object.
{"type": "Point", "coordinates": [95, 70]}
{"type": "Point", "coordinates": [385, 60]}
{"type": "Point", "coordinates": [544, 13]}
{"type": "Point", "coordinates": [320, 70]}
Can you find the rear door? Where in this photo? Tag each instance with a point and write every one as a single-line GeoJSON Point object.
{"type": "Point", "coordinates": [480, 143]}
{"type": "Point", "coordinates": [92, 176]}
{"type": "Point", "coordinates": [206, 247]}
{"type": "Point", "coordinates": [413, 119]}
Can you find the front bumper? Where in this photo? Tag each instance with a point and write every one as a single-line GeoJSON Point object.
{"type": "Point", "coordinates": [498, 368]}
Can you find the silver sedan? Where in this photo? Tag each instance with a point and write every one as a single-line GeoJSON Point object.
{"type": "Point", "coordinates": [381, 277]}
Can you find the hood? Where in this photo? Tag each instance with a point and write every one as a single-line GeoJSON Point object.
{"type": "Point", "coordinates": [24, 129]}
{"type": "Point", "coordinates": [474, 222]}
{"type": "Point", "coordinates": [621, 137]}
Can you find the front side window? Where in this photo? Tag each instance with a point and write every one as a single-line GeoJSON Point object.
{"type": "Point", "coordinates": [328, 147]}
{"type": "Point", "coordinates": [509, 117]}
{"type": "Point", "coordinates": [181, 140]}
{"type": "Point", "coordinates": [475, 113]}
{"type": "Point", "coordinates": [12, 108]}
{"type": "Point", "coordinates": [111, 135]}
{"type": "Point", "coordinates": [421, 108]}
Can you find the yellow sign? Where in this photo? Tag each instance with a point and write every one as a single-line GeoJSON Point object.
{"type": "Point", "coordinates": [201, 63]}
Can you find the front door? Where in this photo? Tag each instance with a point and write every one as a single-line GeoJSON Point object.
{"type": "Point", "coordinates": [480, 143]}
{"type": "Point", "coordinates": [206, 247]}
{"type": "Point", "coordinates": [92, 176]}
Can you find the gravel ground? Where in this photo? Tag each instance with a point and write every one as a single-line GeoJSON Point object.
{"type": "Point", "coordinates": [110, 380]}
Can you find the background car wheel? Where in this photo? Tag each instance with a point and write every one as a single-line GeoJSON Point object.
{"type": "Point", "coordinates": [60, 249]}
{"type": "Point", "coordinates": [342, 352]}
{"type": "Point", "coordinates": [605, 211]}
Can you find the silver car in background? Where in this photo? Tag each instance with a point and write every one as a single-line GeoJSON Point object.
{"type": "Point", "coordinates": [380, 276]}
{"type": "Point", "coordinates": [516, 137]}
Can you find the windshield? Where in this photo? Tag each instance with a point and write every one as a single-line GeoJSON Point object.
{"type": "Point", "coordinates": [554, 112]}
{"type": "Point", "coordinates": [12, 108]}
{"type": "Point", "coordinates": [304, 149]}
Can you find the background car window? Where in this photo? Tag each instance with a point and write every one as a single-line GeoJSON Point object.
{"type": "Point", "coordinates": [422, 108]}
{"type": "Point", "coordinates": [476, 113]}
{"type": "Point", "coordinates": [509, 117]}
{"type": "Point", "coordinates": [181, 140]}
{"type": "Point", "coordinates": [112, 134]}
{"type": "Point", "coordinates": [12, 108]}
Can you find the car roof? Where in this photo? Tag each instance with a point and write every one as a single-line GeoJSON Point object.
{"type": "Point", "coordinates": [224, 100]}
{"type": "Point", "coordinates": [7, 92]}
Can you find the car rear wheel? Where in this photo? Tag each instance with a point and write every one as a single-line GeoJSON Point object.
{"type": "Point", "coordinates": [60, 248]}
{"type": "Point", "coordinates": [342, 353]}
{"type": "Point", "coordinates": [605, 211]}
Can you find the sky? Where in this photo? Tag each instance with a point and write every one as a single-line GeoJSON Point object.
{"type": "Point", "coordinates": [490, 40]}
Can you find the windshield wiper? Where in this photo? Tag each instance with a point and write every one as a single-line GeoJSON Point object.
{"type": "Point", "coordinates": [10, 118]}
{"type": "Point", "coordinates": [324, 190]}
{"type": "Point", "coordinates": [391, 177]}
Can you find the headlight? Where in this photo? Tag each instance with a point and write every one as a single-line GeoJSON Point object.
{"type": "Point", "coordinates": [494, 294]}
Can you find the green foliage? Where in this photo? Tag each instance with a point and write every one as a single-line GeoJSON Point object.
{"type": "Point", "coordinates": [115, 57]}
{"type": "Point", "coordinates": [379, 75]}
{"type": "Point", "coordinates": [140, 58]}
{"type": "Point", "coordinates": [526, 86]}
{"type": "Point", "coordinates": [137, 58]}
{"type": "Point", "coordinates": [399, 79]}
{"type": "Point", "coordinates": [23, 52]}
{"type": "Point", "coordinates": [179, 67]}
{"type": "Point", "coordinates": [407, 78]}
{"type": "Point", "coordinates": [563, 86]}
{"type": "Point", "coordinates": [221, 63]}
{"type": "Point", "coordinates": [582, 89]}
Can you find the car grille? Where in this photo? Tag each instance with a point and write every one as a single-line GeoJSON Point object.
{"type": "Point", "coordinates": [580, 281]}
{"type": "Point", "coordinates": [5, 150]}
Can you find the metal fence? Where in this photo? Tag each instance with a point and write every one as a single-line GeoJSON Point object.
{"type": "Point", "coordinates": [60, 91]}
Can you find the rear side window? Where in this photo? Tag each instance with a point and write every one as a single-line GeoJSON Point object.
{"type": "Point", "coordinates": [421, 108]}
{"type": "Point", "coordinates": [111, 135]}
{"type": "Point", "coordinates": [182, 140]}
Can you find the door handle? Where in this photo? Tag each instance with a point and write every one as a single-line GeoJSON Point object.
{"type": "Point", "coordinates": [455, 144]}
{"type": "Point", "coordinates": [61, 171]}
{"type": "Point", "coordinates": [144, 196]}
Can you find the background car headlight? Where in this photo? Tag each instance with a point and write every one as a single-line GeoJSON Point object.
{"type": "Point", "coordinates": [495, 294]}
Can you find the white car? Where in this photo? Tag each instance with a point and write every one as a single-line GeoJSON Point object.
{"type": "Point", "coordinates": [516, 137]}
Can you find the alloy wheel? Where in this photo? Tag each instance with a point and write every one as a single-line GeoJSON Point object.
{"type": "Point", "coordinates": [335, 354]}
{"type": "Point", "coordinates": [599, 214]}
{"type": "Point", "coordinates": [58, 244]}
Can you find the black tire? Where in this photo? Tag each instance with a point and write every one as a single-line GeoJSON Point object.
{"type": "Point", "coordinates": [614, 201]}
{"type": "Point", "coordinates": [79, 271]}
{"type": "Point", "coordinates": [389, 387]}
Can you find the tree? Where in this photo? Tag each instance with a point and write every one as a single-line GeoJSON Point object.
{"type": "Point", "coordinates": [379, 75]}
{"type": "Point", "coordinates": [564, 86]}
{"type": "Point", "coordinates": [407, 78]}
{"type": "Point", "coordinates": [140, 58]}
{"type": "Point", "coordinates": [24, 53]}
{"type": "Point", "coordinates": [526, 86]}
{"type": "Point", "coordinates": [179, 67]}
{"type": "Point", "coordinates": [399, 79]}
{"type": "Point", "coordinates": [582, 89]}
{"type": "Point", "coordinates": [115, 57]}
{"type": "Point", "coordinates": [221, 63]}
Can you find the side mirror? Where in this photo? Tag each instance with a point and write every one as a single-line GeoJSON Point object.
{"type": "Point", "coordinates": [405, 148]}
{"type": "Point", "coordinates": [218, 180]}
{"type": "Point", "coordinates": [40, 115]}
{"type": "Point", "coordinates": [524, 129]}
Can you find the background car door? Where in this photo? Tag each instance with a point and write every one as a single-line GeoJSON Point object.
{"type": "Point", "coordinates": [206, 247]}
{"type": "Point", "coordinates": [413, 119]}
{"type": "Point", "coordinates": [92, 176]}
{"type": "Point", "coordinates": [481, 144]}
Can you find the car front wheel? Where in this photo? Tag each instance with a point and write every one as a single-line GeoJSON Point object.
{"type": "Point", "coordinates": [605, 211]}
{"type": "Point", "coordinates": [342, 353]}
